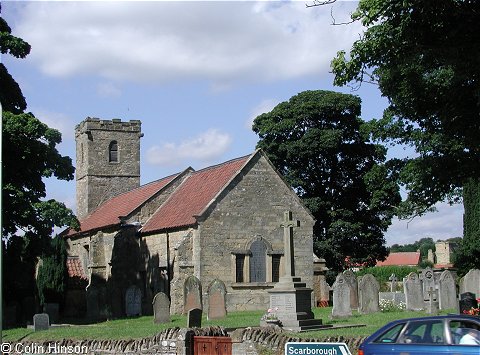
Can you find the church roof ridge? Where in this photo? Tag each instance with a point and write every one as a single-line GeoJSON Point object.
{"type": "Point", "coordinates": [108, 213]}
{"type": "Point", "coordinates": [193, 196]}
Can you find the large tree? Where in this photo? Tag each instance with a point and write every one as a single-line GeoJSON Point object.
{"type": "Point", "coordinates": [318, 141]}
{"type": "Point", "coordinates": [29, 155]}
{"type": "Point", "coordinates": [425, 58]}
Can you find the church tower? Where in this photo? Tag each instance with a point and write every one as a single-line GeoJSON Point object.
{"type": "Point", "coordinates": [108, 161]}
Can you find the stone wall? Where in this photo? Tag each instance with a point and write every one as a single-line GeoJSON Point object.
{"type": "Point", "coordinates": [254, 341]}
{"type": "Point", "coordinates": [176, 341]}
{"type": "Point", "coordinates": [159, 251]}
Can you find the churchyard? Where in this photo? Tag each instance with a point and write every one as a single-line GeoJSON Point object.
{"type": "Point", "coordinates": [358, 309]}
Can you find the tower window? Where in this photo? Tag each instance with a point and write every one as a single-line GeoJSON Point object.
{"type": "Point", "coordinates": [113, 152]}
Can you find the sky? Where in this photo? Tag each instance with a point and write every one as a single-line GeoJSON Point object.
{"type": "Point", "coordinates": [195, 73]}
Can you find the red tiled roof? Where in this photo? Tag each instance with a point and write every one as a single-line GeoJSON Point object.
{"type": "Point", "coordinates": [119, 206]}
{"type": "Point", "coordinates": [193, 196]}
{"type": "Point", "coordinates": [74, 268]}
{"type": "Point", "coordinates": [403, 258]}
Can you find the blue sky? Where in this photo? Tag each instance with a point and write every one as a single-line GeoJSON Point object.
{"type": "Point", "coordinates": [195, 73]}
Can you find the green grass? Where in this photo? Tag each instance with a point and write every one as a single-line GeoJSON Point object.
{"type": "Point", "coordinates": [131, 328]}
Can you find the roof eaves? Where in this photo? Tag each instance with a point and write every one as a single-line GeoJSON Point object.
{"type": "Point", "coordinates": [168, 229]}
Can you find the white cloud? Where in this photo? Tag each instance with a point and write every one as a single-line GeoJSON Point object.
{"type": "Point", "coordinates": [57, 120]}
{"type": "Point", "coordinates": [160, 41]}
{"type": "Point", "coordinates": [205, 147]}
{"type": "Point", "coordinates": [264, 106]}
{"type": "Point", "coordinates": [446, 223]}
{"type": "Point", "coordinates": [108, 89]}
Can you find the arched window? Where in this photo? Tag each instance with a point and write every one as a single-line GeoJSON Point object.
{"type": "Point", "coordinates": [113, 152]}
{"type": "Point", "coordinates": [258, 272]}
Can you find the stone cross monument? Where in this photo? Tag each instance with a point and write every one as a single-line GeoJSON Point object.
{"type": "Point", "coordinates": [290, 296]}
{"type": "Point", "coordinates": [287, 225]}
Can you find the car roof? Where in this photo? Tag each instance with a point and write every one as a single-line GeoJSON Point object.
{"type": "Point", "coordinates": [426, 318]}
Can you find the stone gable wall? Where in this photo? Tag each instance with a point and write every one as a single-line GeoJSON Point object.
{"type": "Point", "coordinates": [253, 208]}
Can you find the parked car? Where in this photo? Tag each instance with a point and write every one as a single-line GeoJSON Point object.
{"type": "Point", "coordinates": [448, 334]}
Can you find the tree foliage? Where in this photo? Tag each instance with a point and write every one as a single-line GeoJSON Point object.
{"type": "Point", "coordinates": [29, 155]}
{"type": "Point", "coordinates": [321, 146]}
{"type": "Point", "coordinates": [423, 245]}
{"type": "Point", "coordinates": [11, 96]}
{"type": "Point", "coordinates": [468, 255]}
{"type": "Point", "coordinates": [52, 273]}
{"type": "Point", "coordinates": [425, 58]}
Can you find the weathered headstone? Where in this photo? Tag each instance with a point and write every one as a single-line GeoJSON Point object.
{"type": "Point", "coordinates": [393, 282]}
{"type": "Point", "coordinates": [368, 288]}
{"type": "Point", "coordinates": [412, 286]}
{"type": "Point", "coordinates": [325, 292]}
{"type": "Point", "coordinates": [431, 303]}
{"type": "Point", "coordinates": [133, 301]}
{"type": "Point", "coordinates": [341, 298]}
{"type": "Point", "coordinates": [428, 282]}
{"type": "Point", "coordinates": [192, 294]}
{"type": "Point", "coordinates": [217, 293]}
{"type": "Point", "coordinates": [41, 321]}
{"type": "Point", "coordinates": [471, 282]}
{"type": "Point", "coordinates": [351, 281]}
{"type": "Point", "coordinates": [161, 308]}
{"type": "Point", "coordinates": [447, 291]}
{"type": "Point", "coordinates": [467, 302]}
{"type": "Point", "coordinates": [194, 318]}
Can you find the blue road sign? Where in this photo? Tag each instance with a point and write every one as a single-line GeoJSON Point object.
{"type": "Point", "coordinates": [298, 348]}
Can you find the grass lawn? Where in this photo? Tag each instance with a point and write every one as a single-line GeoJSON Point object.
{"type": "Point", "coordinates": [129, 328]}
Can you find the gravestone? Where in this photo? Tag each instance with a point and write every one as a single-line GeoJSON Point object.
{"type": "Point", "coordinates": [325, 292]}
{"type": "Point", "coordinates": [467, 302]}
{"type": "Point", "coordinates": [161, 308]}
{"type": "Point", "coordinates": [447, 291]}
{"type": "Point", "coordinates": [393, 282]}
{"type": "Point", "coordinates": [194, 318]}
{"type": "Point", "coordinates": [41, 321]}
{"type": "Point", "coordinates": [133, 301]}
{"type": "Point", "coordinates": [217, 305]}
{"type": "Point", "coordinates": [471, 282]}
{"type": "Point", "coordinates": [351, 281]}
{"type": "Point", "coordinates": [192, 294]}
{"type": "Point", "coordinates": [412, 287]}
{"type": "Point", "coordinates": [341, 298]}
{"type": "Point", "coordinates": [368, 288]}
{"type": "Point", "coordinates": [290, 295]}
{"type": "Point", "coordinates": [431, 303]}
{"type": "Point", "coordinates": [428, 282]}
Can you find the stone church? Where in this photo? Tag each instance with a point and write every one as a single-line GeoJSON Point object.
{"type": "Point", "coordinates": [221, 222]}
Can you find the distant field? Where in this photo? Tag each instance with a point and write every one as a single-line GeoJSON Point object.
{"type": "Point", "coordinates": [141, 327]}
